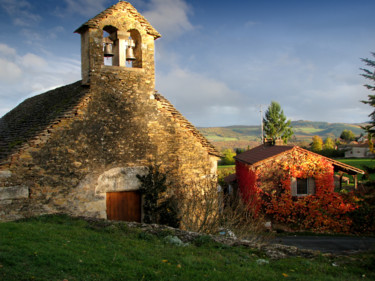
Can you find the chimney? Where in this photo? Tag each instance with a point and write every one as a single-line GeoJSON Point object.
{"type": "Point", "coordinates": [273, 142]}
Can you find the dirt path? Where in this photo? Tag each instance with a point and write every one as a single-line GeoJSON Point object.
{"type": "Point", "coordinates": [329, 244]}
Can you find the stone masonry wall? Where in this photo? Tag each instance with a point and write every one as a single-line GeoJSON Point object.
{"type": "Point", "coordinates": [119, 130]}
{"type": "Point", "coordinates": [122, 126]}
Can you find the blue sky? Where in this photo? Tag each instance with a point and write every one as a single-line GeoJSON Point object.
{"type": "Point", "coordinates": [217, 61]}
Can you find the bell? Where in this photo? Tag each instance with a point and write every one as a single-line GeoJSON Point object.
{"type": "Point", "coordinates": [108, 52]}
{"type": "Point", "coordinates": [129, 54]}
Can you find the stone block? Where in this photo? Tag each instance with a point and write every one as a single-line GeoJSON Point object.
{"type": "Point", "coordinates": [120, 179]}
{"type": "Point", "coordinates": [14, 192]}
{"type": "Point", "coordinates": [5, 174]}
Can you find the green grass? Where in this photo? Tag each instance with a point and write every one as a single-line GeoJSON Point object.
{"type": "Point", "coordinates": [361, 164]}
{"type": "Point", "coordinates": [307, 130]}
{"type": "Point", "coordinates": [220, 138]}
{"type": "Point", "coordinates": [59, 247]}
{"type": "Point", "coordinates": [220, 167]}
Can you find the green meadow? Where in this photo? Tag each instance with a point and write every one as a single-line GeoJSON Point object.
{"type": "Point", "coordinates": [64, 248]}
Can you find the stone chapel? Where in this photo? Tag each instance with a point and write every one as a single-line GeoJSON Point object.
{"type": "Point", "coordinates": [78, 149]}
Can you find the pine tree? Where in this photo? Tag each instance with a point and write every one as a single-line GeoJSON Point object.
{"type": "Point", "coordinates": [368, 74]}
{"type": "Point", "coordinates": [275, 124]}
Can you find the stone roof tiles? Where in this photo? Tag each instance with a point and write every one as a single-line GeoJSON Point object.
{"type": "Point", "coordinates": [186, 124]}
{"type": "Point", "coordinates": [35, 117]}
{"type": "Point", "coordinates": [120, 6]}
{"type": "Point", "coordinates": [34, 120]}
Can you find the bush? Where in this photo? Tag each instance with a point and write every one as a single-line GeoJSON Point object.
{"type": "Point", "coordinates": [158, 206]}
{"type": "Point", "coordinates": [364, 216]}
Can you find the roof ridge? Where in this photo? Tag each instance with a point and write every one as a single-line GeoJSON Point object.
{"type": "Point", "coordinates": [124, 5]}
{"type": "Point", "coordinates": [333, 161]}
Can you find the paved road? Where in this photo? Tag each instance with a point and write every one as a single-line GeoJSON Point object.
{"type": "Point", "coordinates": [328, 244]}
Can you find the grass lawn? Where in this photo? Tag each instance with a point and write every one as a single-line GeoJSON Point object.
{"type": "Point", "coordinates": [64, 248]}
{"type": "Point", "coordinates": [360, 163]}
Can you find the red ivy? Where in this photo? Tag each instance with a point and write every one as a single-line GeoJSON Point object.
{"type": "Point", "coordinates": [268, 187]}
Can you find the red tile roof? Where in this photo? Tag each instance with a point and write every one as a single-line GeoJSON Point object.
{"type": "Point", "coordinates": [263, 153]}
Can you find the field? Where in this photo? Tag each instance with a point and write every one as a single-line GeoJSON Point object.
{"type": "Point", "coordinates": [361, 164]}
{"type": "Point", "coordinates": [64, 248]}
{"type": "Point", "coordinates": [244, 136]}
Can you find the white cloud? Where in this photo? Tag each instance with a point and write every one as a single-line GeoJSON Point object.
{"type": "Point", "coordinates": [9, 71]}
{"type": "Point", "coordinates": [6, 50]}
{"type": "Point", "coordinates": [31, 61]}
{"type": "Point", "coordinates": [200, 98]}
{"type": "Point", "coordinates": [25, 76]}
{"type": "Point", "coordinates": [169, 17]}
{"type": "Point", "coordinates": [20, 11]}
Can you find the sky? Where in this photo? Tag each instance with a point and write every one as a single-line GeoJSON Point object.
{"type": "Point", "coordinates": [218, 62]}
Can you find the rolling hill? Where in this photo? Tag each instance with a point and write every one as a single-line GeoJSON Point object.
{"type": "Point", "coordinates": [243, 136]}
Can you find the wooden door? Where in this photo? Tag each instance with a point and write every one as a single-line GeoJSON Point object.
{"type": "Point", "coordinates": [124, 206]}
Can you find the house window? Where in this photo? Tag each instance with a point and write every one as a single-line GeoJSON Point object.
{"type": "Point", "coordinates": [302, 186]}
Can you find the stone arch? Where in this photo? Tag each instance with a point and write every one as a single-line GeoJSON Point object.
{"type": "Point", "coordinates": [120, 179]}
{"type": "Point", "coordinates": [109, 38]}
{"type": "Point", "coordinates": [136, 36]}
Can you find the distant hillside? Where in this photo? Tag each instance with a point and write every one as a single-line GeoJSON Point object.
{"type": "Point", "coordinates": [303, 131]}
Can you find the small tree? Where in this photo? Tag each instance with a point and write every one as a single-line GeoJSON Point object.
{"type": "Point", "coordinates": [158, 206]}
{"type": "Point", "coordinates": [347, 135]}
{"type": "Point", "coordinates": [329, 143]}
{"type": "Point", "coordinates": [228, 155]}
{"type": "Point", "coordinates": [368, 74]}
{"type": "Point", "coordinates": [275, 124]}
{"type": "Point", "coordinates": [317, 144]}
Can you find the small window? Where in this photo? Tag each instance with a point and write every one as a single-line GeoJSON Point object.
{"type": "Point", "coordinates": [302, 186]}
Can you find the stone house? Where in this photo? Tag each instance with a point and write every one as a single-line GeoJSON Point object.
{"type": "Point", "coordinates": [77, 149]}
{"type": "Point", "coordinates": [270, 167]}
{"type": "Point", "coordinates": [358, 150]}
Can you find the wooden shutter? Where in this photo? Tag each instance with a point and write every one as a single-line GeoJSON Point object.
{"type": "Point", "coordinates": [311, 186]}
{"type": "Point", "coordinates": [124, 206]}
{"type": "Point", "coordinates": [293, 186]}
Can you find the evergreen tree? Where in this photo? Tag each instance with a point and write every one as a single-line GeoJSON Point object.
{"type": "Point", "coordinates": [368, 74]}
{"type": "Point", "coordinates": [317, 144]}
{"type": "Point", "coordinates": [275, 124]}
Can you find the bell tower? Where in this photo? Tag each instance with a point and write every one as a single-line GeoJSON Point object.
{"type": "Point", "coordinates": [118, 40]}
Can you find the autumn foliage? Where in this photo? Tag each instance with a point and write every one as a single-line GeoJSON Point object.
{"type": "Point", "coordinates": [269, 186]}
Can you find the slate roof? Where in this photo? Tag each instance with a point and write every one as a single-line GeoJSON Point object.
{"type": "Point", "coordinates": [124, 6]}
{"type": "Point", "coordinates": [263, 153]}
{"type": "Point", "coordinates": [186, 124]}
{"type": "Point", "coordinates": [34, 118]}
{"type": "Point", "coordinates": [36, 115]}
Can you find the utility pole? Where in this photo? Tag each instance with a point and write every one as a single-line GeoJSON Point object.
{"type": "Point", "coordinates": [261, 122]}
